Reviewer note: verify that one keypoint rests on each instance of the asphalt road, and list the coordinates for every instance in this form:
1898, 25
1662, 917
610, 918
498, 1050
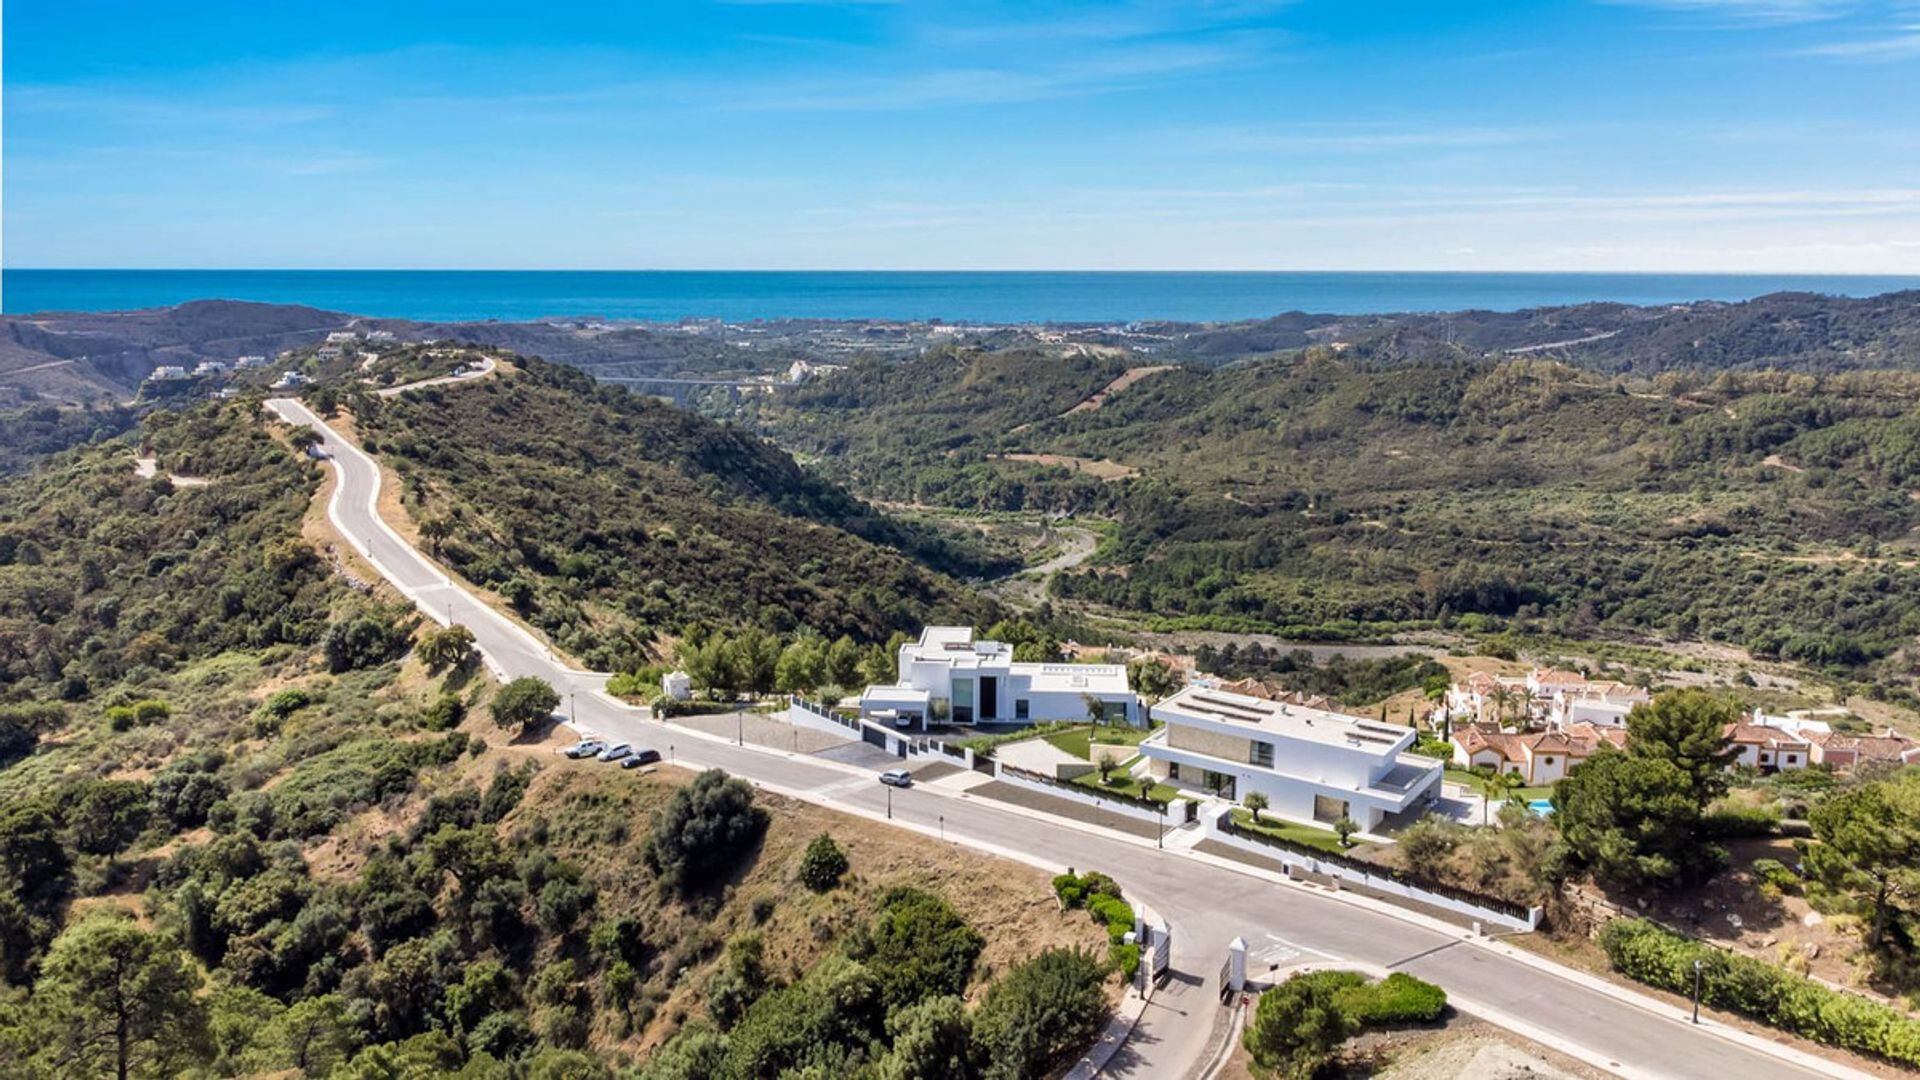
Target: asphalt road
1208, 903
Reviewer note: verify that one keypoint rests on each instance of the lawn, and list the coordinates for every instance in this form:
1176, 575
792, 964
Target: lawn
1082, 742
1119, 781
1524, 794
1312, 836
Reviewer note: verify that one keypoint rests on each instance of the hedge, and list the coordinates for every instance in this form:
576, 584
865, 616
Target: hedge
1730, 822
1398, 999
1661, 958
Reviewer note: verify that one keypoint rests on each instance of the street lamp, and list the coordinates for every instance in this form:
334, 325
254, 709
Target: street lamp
739, 729
943, 828
1697, 965
889, 802
573, 713
1160, 838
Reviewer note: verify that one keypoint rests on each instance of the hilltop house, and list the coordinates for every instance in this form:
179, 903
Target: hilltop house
167, 372
1311, 764
1841, 751
947, 676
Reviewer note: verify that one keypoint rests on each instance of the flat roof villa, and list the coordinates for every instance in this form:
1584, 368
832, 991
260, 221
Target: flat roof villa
1312, 764
979, 682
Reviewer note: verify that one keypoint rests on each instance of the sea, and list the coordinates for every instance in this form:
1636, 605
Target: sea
953, 296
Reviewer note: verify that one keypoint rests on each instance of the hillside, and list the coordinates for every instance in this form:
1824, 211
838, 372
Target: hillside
610, 519
234, 790
1326, 496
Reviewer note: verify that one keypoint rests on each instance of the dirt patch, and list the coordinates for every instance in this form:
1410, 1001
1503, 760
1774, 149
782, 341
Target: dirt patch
1774, 461
1098, 468
1463, 1048
1126, 379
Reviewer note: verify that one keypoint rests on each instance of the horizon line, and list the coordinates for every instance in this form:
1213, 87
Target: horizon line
1914, 274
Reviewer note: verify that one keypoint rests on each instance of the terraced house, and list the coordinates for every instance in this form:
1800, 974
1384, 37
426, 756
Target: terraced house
1312, 764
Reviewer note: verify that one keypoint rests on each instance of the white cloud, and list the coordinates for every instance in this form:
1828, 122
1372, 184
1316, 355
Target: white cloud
1761, 12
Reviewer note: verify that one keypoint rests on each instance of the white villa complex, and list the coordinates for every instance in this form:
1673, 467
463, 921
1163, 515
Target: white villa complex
1311, 764
949, 677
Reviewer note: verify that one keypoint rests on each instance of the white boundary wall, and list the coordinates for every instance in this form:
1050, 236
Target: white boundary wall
1378, 883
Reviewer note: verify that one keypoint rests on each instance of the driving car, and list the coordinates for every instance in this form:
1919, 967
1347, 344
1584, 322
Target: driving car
585, 748
897, 778
639, 758
615, 752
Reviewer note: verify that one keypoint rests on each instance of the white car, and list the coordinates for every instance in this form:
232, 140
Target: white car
897, 778
615, 752
584, 748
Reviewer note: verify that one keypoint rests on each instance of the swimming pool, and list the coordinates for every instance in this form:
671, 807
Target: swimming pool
1543, 807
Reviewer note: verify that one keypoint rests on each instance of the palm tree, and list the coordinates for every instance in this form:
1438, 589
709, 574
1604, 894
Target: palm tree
1498, 787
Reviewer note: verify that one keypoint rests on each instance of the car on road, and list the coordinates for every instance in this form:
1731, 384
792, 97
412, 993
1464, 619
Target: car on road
584, 748
897, 778
615, 752
639, 758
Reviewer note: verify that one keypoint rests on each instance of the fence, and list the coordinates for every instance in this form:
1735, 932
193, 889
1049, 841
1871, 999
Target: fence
899, 743
1384, 879
1131, 805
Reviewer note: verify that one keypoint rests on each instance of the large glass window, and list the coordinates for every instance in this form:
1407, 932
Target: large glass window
963, 701
1262, 754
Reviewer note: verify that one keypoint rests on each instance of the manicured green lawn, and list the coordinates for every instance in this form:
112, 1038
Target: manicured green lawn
1524, 794
1119, 781
1086, 742
1324, 839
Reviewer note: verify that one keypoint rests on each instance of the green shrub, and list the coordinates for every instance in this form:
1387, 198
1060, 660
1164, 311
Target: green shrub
1076, 891
709, 826
1398, 999
1116, 913
1775, 873
1125, 959
1068, 888
1298, 1025
1729, 821
918, 947
823, 864
444, 714
1039, 1011
1661, 958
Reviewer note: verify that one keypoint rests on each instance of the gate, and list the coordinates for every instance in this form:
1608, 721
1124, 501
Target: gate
873, 736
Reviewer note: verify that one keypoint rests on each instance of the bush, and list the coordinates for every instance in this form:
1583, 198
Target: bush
1125, 959
1298, 1025
709, 826
361, 642
1116, 913
1038, 1012
918, 947
823, 864
1775, 874
1076, 891
444, 714
525, 703
1661, 958
1729, 821
1398, 999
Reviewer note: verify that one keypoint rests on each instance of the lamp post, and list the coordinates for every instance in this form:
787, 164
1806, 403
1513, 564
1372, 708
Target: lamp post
1160, 838
889, 802
943, 828
739, 729
1697, 965
573, 713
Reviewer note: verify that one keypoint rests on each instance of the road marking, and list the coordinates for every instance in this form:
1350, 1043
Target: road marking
1422, 954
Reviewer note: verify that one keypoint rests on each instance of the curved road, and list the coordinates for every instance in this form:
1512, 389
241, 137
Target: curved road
1208, 901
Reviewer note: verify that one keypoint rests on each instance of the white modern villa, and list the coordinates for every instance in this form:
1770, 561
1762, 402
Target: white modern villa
1311, 764
949, 677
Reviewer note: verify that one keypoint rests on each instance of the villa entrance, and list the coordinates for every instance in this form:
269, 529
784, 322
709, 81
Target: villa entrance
989, 706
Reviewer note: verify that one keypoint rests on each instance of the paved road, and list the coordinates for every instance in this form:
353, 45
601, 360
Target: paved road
1208, 901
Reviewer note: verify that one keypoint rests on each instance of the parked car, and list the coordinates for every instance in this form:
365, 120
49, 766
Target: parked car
639, 758
897, 778
615, 752
585, 748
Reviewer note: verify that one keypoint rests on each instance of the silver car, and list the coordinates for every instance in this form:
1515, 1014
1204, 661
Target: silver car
585, 748
616, 752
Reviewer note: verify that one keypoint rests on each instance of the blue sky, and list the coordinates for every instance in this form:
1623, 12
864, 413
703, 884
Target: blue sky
1760, 135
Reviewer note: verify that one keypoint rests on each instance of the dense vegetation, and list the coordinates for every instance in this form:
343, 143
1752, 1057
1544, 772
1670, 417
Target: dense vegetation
1298, 1026
1353, 683
1327, 496
610, 520
28, 434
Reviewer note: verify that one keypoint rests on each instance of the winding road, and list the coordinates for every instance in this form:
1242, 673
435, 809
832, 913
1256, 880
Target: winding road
1208, 900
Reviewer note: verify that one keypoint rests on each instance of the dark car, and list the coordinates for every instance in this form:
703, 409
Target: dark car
639, 758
